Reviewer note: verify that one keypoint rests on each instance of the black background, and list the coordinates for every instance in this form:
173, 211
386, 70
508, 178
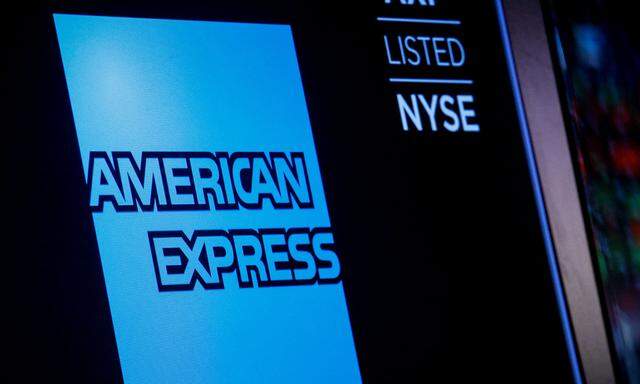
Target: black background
443, 260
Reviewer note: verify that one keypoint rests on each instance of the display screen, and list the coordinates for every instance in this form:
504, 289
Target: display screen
280, 192
598, 54
207, 201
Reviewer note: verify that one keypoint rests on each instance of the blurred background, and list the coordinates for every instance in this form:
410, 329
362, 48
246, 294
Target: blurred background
597, 47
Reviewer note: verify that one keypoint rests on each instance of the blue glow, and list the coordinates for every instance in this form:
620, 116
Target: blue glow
537, 190
167, 85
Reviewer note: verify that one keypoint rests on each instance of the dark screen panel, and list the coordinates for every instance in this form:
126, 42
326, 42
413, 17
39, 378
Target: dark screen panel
443, 261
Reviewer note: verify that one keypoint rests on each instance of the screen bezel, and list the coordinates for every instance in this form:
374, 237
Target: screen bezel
540, 95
